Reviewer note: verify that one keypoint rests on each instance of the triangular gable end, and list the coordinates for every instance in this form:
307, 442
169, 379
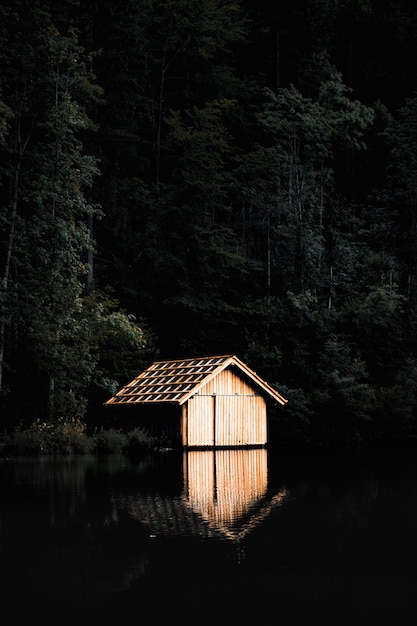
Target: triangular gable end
230, 362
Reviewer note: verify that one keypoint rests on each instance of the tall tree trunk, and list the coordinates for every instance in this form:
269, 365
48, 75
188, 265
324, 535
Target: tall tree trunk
165, 65
90, 256
6, 274
51, 397
10, 248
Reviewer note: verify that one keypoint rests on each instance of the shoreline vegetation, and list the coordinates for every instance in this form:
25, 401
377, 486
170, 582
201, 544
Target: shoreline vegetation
70, 437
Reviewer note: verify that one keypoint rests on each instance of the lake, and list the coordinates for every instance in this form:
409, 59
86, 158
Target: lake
227, 537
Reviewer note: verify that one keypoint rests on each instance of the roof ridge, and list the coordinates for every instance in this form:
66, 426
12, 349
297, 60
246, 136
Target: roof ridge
197, 358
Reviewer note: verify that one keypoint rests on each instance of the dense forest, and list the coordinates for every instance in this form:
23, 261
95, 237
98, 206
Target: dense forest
180, 178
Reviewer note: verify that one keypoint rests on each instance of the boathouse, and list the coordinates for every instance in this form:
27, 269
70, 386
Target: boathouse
208, 402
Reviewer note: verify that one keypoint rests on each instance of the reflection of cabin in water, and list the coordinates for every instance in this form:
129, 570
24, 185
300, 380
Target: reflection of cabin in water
228, 489
204, 402
225, 496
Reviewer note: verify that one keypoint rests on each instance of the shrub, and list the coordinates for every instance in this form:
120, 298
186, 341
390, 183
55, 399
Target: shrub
27, 442
70, 437
58, 437
110, 441
139, 440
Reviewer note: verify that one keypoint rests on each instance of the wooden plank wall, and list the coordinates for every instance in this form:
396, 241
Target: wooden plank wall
240, 416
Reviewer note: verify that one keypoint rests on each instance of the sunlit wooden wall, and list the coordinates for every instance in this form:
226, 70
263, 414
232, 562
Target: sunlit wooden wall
226, 412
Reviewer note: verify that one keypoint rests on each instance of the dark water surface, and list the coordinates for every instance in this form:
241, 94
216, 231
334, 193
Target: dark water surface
232, 537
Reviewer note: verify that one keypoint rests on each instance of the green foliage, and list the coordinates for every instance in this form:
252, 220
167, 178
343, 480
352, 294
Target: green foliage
304, 135
110, 441
121, 345
292, 424
397, 401
139, 440
342, 397
58, 437
400, 196
47, 318
66, 437
5, 115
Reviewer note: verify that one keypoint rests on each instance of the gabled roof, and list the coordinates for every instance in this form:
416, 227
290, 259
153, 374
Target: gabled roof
176, 381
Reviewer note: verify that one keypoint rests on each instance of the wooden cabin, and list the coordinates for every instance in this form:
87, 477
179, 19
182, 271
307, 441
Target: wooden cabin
207, 402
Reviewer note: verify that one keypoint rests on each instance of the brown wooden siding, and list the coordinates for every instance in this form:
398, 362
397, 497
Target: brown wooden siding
226, 412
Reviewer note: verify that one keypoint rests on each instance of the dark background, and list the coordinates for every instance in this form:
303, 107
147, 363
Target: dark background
179, 179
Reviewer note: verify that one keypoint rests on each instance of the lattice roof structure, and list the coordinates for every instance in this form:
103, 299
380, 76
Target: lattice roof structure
175, 381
